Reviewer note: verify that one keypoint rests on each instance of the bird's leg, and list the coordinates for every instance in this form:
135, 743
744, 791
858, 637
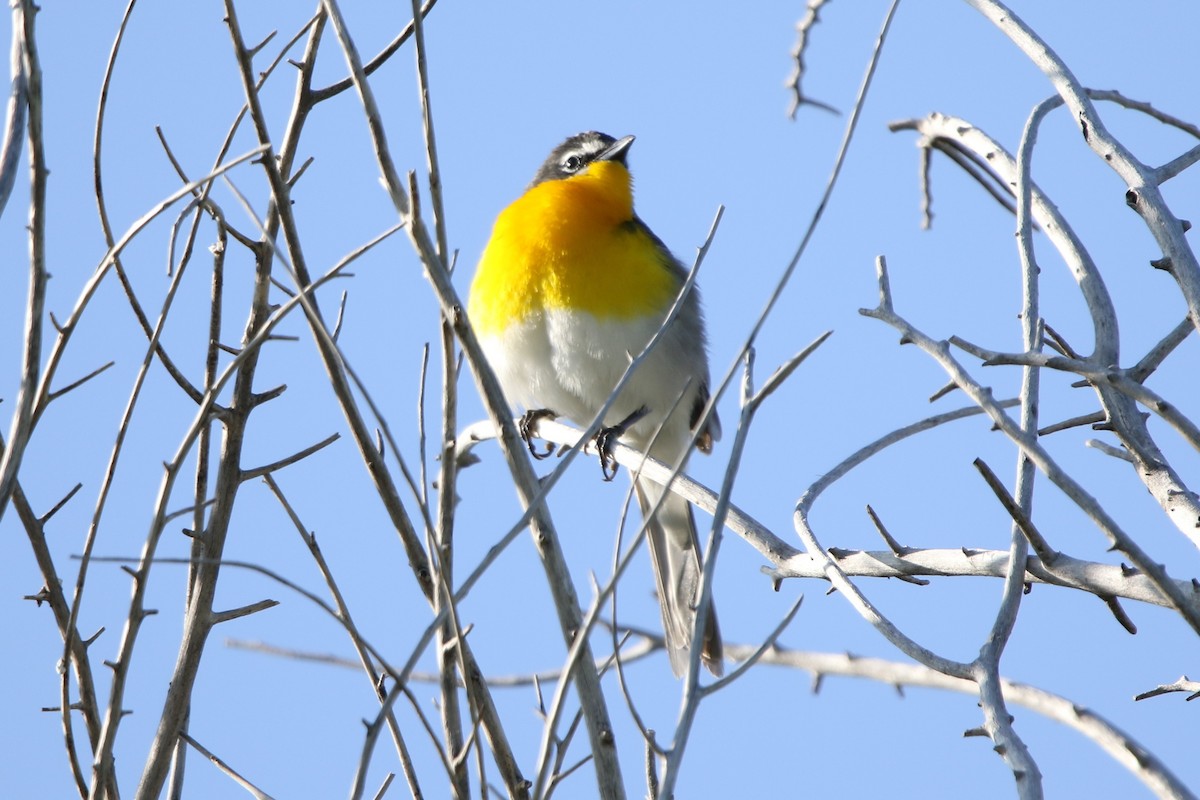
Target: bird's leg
607, 437
525, 427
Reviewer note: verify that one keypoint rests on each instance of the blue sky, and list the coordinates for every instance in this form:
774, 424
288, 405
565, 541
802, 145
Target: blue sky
703, 92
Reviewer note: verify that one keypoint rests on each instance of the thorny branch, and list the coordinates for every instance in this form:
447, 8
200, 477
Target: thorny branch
1121, 393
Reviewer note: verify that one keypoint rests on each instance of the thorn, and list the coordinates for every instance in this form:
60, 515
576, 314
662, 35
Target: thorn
58, 506
259, 398
296, 176
896, 548
42, 596
1119, 612
942, 392
537, 691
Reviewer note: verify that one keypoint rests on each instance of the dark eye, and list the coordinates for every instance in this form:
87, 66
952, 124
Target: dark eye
572, 163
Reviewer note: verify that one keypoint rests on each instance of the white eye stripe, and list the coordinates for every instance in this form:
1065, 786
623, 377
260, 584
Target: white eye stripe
573, 156
580, 158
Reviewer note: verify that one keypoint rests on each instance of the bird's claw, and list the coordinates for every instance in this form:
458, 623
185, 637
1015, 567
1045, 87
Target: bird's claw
606, 440
525, 428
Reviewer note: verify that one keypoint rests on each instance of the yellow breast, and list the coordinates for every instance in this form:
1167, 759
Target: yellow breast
571, 244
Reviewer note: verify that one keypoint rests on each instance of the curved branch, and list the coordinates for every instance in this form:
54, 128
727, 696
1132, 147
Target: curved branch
940, 352
1120, 746
1178, 502
1143, 193
24, 414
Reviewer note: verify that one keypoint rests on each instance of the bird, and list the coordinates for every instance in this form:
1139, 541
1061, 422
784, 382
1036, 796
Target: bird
570, 287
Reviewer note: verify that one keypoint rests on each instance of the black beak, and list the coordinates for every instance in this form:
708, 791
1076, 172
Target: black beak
616, 150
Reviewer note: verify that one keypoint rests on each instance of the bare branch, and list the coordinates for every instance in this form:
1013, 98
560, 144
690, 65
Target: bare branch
1142, 181
1121, 747
228, 770
1181, 685
237, 613
812, 11
24, 414
940, 352
1047, 554
275, 466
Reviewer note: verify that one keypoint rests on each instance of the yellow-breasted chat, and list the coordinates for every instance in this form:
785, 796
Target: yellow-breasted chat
571, 286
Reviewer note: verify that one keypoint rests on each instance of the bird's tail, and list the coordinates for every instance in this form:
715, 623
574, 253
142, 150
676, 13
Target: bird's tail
675, 556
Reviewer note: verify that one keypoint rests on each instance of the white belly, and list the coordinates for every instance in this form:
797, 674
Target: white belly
569, 362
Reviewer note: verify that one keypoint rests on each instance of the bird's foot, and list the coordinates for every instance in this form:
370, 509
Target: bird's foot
606, 439
526, 427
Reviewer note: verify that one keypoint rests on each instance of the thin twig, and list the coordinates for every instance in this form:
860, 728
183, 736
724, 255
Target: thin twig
220, 764
812, 14
365, 659
24, 417
1143, 765
274, 466
940, 351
